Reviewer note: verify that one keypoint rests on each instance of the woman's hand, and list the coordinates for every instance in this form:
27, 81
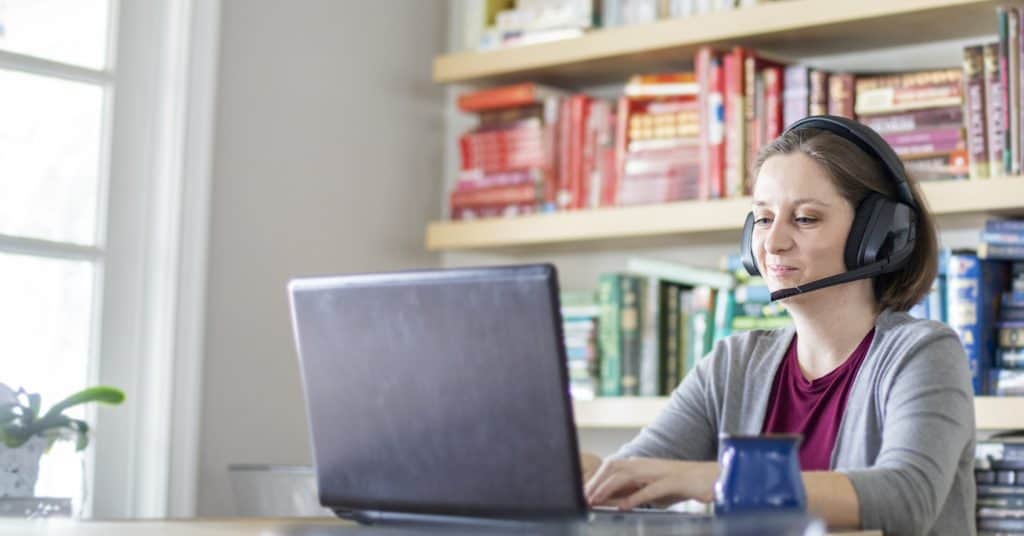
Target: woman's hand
631, 482
589, 463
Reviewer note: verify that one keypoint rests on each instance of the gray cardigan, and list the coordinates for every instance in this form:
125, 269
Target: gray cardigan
906, 440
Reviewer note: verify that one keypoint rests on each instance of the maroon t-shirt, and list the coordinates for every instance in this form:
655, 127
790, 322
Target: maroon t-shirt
812, 408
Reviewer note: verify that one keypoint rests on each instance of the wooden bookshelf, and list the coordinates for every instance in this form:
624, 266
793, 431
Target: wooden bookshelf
985, 197
991, 413
789, 29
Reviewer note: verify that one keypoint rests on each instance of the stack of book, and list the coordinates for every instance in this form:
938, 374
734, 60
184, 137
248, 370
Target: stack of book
973, 290
580, 313
508, 160
659, 141
657, 321
920, 115
999, 474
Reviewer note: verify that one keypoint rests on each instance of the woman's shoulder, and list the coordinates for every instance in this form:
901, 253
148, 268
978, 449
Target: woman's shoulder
752, 348
902, 328
901, 335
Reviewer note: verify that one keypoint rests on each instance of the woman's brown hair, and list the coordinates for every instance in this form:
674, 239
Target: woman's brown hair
855, 174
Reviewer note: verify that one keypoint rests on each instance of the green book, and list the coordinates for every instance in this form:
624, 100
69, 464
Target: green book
609, 336
632, 289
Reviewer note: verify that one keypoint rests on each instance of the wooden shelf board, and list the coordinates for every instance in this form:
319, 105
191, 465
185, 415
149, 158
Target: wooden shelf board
989, 196
991, 413
790, 29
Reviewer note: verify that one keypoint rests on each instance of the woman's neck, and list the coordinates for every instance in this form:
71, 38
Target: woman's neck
830, 323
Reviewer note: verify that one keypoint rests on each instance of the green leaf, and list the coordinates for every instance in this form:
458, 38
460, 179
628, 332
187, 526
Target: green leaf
46, 423
34, 401
102, 394
83, 434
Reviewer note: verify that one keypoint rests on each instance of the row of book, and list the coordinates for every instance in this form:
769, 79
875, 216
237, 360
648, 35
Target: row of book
999, 476
687, 135
495, 24
985, 304
645, 328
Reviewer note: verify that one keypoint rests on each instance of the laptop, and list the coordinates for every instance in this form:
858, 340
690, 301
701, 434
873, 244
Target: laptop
441, 396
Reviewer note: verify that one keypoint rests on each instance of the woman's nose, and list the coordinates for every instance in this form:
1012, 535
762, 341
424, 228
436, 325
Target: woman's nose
777, 238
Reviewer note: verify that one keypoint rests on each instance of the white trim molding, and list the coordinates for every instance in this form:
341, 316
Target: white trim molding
146, 462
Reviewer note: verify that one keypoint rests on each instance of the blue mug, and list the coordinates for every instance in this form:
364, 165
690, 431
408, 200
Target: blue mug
759, 473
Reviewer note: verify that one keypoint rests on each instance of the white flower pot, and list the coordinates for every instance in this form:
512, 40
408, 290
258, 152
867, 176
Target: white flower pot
19, 468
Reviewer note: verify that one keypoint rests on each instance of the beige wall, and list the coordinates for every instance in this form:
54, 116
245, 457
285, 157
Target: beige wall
327, 159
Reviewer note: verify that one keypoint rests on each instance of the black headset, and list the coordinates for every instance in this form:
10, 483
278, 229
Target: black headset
884, 230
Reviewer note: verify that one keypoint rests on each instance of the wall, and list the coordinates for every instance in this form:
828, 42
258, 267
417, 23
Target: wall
327, 159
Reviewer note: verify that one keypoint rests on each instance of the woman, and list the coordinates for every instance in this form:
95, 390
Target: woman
884, 401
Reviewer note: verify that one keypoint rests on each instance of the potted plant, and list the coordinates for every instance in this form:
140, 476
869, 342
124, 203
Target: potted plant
25, 433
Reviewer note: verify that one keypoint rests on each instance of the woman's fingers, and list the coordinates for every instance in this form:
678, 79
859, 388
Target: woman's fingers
659, 491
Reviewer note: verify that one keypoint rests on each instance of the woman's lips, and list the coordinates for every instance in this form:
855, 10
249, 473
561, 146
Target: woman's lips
780, 270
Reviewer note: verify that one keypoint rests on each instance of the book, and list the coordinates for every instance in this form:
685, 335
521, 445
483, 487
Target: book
509, 96
681, 274
973, 288
632, 290
995, 109
977, 139
610, 334
1006, 252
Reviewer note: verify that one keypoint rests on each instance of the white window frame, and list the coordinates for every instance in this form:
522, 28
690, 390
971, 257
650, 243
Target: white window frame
155, 166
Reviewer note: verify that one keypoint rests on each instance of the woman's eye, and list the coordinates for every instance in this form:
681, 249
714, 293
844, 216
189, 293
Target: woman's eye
762, 220
804, 220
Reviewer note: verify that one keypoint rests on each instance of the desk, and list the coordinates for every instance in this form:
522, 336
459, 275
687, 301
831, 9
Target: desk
220, 527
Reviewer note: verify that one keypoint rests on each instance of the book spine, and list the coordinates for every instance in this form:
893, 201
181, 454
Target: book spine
772, 102
1013, 54
934, 77
995, 106
629, 325
1004, 226
622, 110
974, 104
735, 121
500, 97
702, 66
796, 95
580, 109
818, 102
1003, 237
1001, 252
936, 135
716, 129
610, 335
563, 195
972, 289
669, 335
752, 141
915, 120
840, 95
887, 100
506, 210
500, 195
650, 361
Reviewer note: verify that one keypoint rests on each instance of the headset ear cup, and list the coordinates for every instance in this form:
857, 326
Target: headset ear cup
747, 246
864, 221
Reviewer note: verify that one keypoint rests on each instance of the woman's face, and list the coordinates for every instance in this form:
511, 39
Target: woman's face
800, 222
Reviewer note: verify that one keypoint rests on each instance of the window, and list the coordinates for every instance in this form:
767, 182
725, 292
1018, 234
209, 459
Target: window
55, 88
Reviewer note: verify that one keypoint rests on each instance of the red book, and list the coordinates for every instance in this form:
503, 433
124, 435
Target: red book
772, 102
622, 109
579, 106
499, 195
492, 211
712, 143
506, 97
735, 122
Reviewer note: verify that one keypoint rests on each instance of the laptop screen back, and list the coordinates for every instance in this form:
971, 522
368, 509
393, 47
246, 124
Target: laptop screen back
440, 392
